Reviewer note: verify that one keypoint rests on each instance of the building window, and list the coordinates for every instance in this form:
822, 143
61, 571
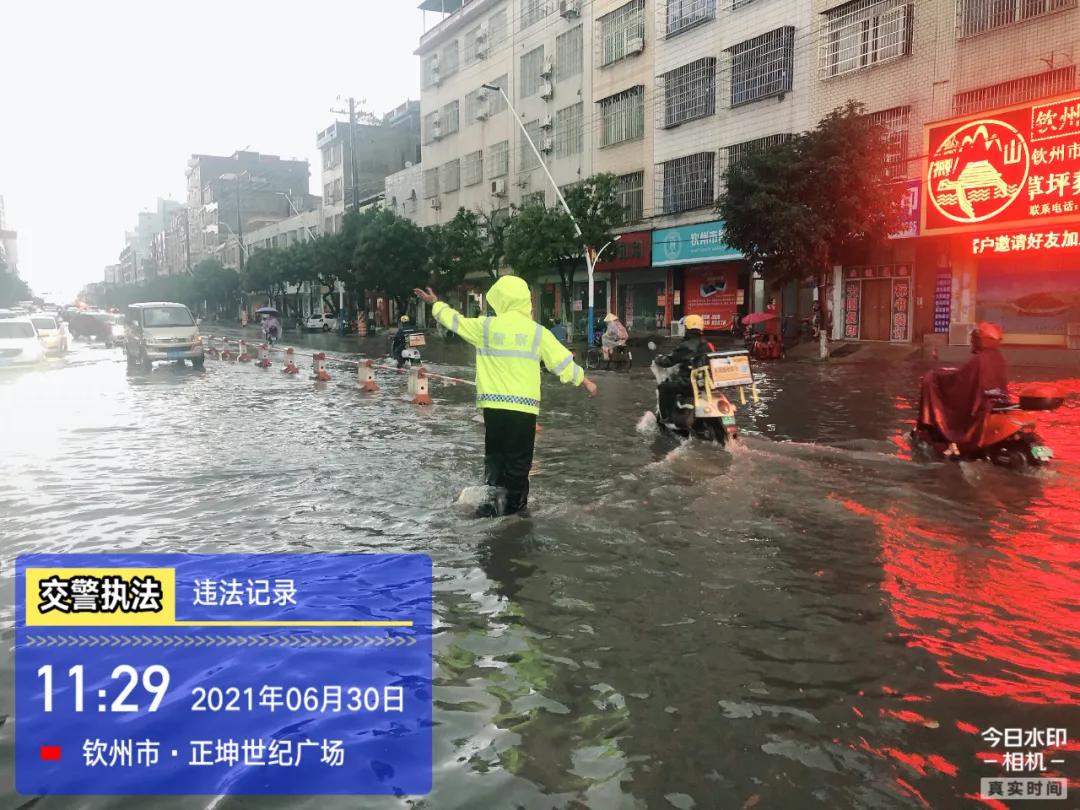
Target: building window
328, 197
684, 14
472, 38
336, 192
337, 223
568, 131
497, 28
740, 151
631, 195
688, 182
894, 123
450, 118
431, 183
761, 67
448, 60
498, 160
976, 16
495, 100
431, 70
472, 168
622, 116
1014, 91
532, 65
534, 200
617, 28
863, 33
526, 157
689, 92
429, 126
450, 176
473, 105
533, 11
568, 54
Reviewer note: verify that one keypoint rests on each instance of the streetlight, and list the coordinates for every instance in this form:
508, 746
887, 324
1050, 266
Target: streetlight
239, 241
590, 260
592, 266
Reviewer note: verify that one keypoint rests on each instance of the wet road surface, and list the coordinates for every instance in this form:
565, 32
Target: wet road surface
811, 620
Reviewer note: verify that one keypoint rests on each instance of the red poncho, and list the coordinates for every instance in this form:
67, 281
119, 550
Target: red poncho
956, 401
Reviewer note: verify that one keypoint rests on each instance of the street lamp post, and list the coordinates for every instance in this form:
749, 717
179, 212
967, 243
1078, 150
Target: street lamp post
590, 260
590, 329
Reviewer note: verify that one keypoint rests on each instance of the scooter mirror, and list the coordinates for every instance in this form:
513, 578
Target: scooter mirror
652, 346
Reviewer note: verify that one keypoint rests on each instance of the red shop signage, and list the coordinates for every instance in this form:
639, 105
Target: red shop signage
712, 292
1042, 241
633, 250
1016, 166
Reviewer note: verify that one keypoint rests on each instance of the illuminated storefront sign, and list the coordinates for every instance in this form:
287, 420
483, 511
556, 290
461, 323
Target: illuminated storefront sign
633, 250
690, 244
1048, 241
1017, 166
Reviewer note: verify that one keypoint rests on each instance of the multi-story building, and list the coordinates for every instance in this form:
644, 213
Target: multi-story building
404, 193
981, 103
9, 240
362, 156
228, 195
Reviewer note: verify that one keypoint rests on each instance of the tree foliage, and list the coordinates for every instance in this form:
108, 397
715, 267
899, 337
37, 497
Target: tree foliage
12, 287
540, 240
822, 198
391, 254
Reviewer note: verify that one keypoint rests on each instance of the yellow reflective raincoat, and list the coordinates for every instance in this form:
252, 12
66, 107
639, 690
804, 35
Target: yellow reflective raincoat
509, 348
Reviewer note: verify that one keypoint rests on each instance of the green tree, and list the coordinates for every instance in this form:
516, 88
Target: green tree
216, 285
392, 254
820, 199
12, 288
456, 249
540, 239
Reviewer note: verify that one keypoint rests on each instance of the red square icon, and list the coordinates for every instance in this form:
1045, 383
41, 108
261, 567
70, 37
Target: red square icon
50, 753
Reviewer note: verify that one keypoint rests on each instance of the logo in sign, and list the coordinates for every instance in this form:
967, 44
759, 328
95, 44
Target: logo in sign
673, 245
978, 171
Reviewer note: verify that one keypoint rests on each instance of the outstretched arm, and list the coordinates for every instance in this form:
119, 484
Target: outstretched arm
468, 329
560, 361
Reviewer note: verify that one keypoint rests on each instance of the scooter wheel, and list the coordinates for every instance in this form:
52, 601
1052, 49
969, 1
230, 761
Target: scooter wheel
1015, 458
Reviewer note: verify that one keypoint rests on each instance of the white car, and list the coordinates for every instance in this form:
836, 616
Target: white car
324, 322
53, 333
19, 343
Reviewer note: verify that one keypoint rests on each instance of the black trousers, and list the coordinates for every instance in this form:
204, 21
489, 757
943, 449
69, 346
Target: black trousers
509, 437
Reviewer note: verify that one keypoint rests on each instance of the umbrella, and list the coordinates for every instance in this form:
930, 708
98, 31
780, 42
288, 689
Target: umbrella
266, 311
759, 317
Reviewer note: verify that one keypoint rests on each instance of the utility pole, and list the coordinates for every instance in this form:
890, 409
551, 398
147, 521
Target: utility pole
187, 241
239, 223
351, 112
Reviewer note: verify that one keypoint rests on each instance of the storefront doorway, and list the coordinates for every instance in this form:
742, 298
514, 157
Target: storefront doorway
877, 303
876, 306
640, 303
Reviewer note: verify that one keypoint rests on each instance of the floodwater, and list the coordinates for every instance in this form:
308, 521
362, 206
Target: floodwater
811, 620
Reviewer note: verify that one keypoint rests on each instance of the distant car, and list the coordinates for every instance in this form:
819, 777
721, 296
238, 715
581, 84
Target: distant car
19, 343
53, 333
162, 331
324, 322
92, 326
117, 327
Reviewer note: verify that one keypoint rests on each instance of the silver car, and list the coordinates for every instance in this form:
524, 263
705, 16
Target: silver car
162, 331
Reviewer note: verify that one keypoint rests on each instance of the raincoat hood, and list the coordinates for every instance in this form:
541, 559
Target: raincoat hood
510, 294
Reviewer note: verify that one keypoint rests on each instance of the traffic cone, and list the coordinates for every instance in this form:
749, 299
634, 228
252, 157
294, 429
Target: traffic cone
211, 349
242, 355
419, 385
318, 368
365, 376
290, 366
225, 353
264, 356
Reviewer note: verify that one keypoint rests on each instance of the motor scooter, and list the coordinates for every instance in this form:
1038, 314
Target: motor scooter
705, 412
1008, 434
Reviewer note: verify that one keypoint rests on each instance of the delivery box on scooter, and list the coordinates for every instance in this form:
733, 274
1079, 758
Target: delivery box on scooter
416, 339
729, 369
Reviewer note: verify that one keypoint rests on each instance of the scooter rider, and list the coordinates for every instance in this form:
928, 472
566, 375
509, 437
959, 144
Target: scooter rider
401, 339
691, 352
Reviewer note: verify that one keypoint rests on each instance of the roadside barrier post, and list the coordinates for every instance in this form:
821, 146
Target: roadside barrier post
365, 376
264, 356
242, 355
318, 368
225, 353
418, 385
211, 349
290, 366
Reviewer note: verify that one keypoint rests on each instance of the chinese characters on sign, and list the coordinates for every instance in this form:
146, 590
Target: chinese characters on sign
1015, 166
943, 301
232, 591
900, 291
1028, 242
86, 593
712, 293
1026, 755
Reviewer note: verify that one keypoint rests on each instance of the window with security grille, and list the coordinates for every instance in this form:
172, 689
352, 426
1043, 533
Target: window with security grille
568, 54
450, 118
739, 151
532, 65
569, 134
429, 127
894, 123
533, 11
450, 176
431, 183
864, 33
448, 59
761, 67
533, 200
685, 14
688, 182
470, 50
430, 70
631, 195
472, 168
622, 116
976, 16
497, 27
495, 100
473, 105
689, 92
617, 28
498, 160
740, 3
1014, 91
526, 157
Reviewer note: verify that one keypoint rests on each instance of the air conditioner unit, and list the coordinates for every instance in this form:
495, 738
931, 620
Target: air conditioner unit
635, 45
546, 90
569, 8
960, 333
436, 129
481, 45
548, 68
482, 109
436, 204
545, 121
498, 187
547, 143
435, 77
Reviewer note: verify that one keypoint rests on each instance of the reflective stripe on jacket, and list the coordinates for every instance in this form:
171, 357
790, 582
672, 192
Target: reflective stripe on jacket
509, 348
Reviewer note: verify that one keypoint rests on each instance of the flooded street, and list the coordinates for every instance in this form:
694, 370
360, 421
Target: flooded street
811, 620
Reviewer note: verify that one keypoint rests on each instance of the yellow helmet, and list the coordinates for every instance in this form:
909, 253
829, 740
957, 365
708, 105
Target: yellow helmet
694, 322
404, 319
